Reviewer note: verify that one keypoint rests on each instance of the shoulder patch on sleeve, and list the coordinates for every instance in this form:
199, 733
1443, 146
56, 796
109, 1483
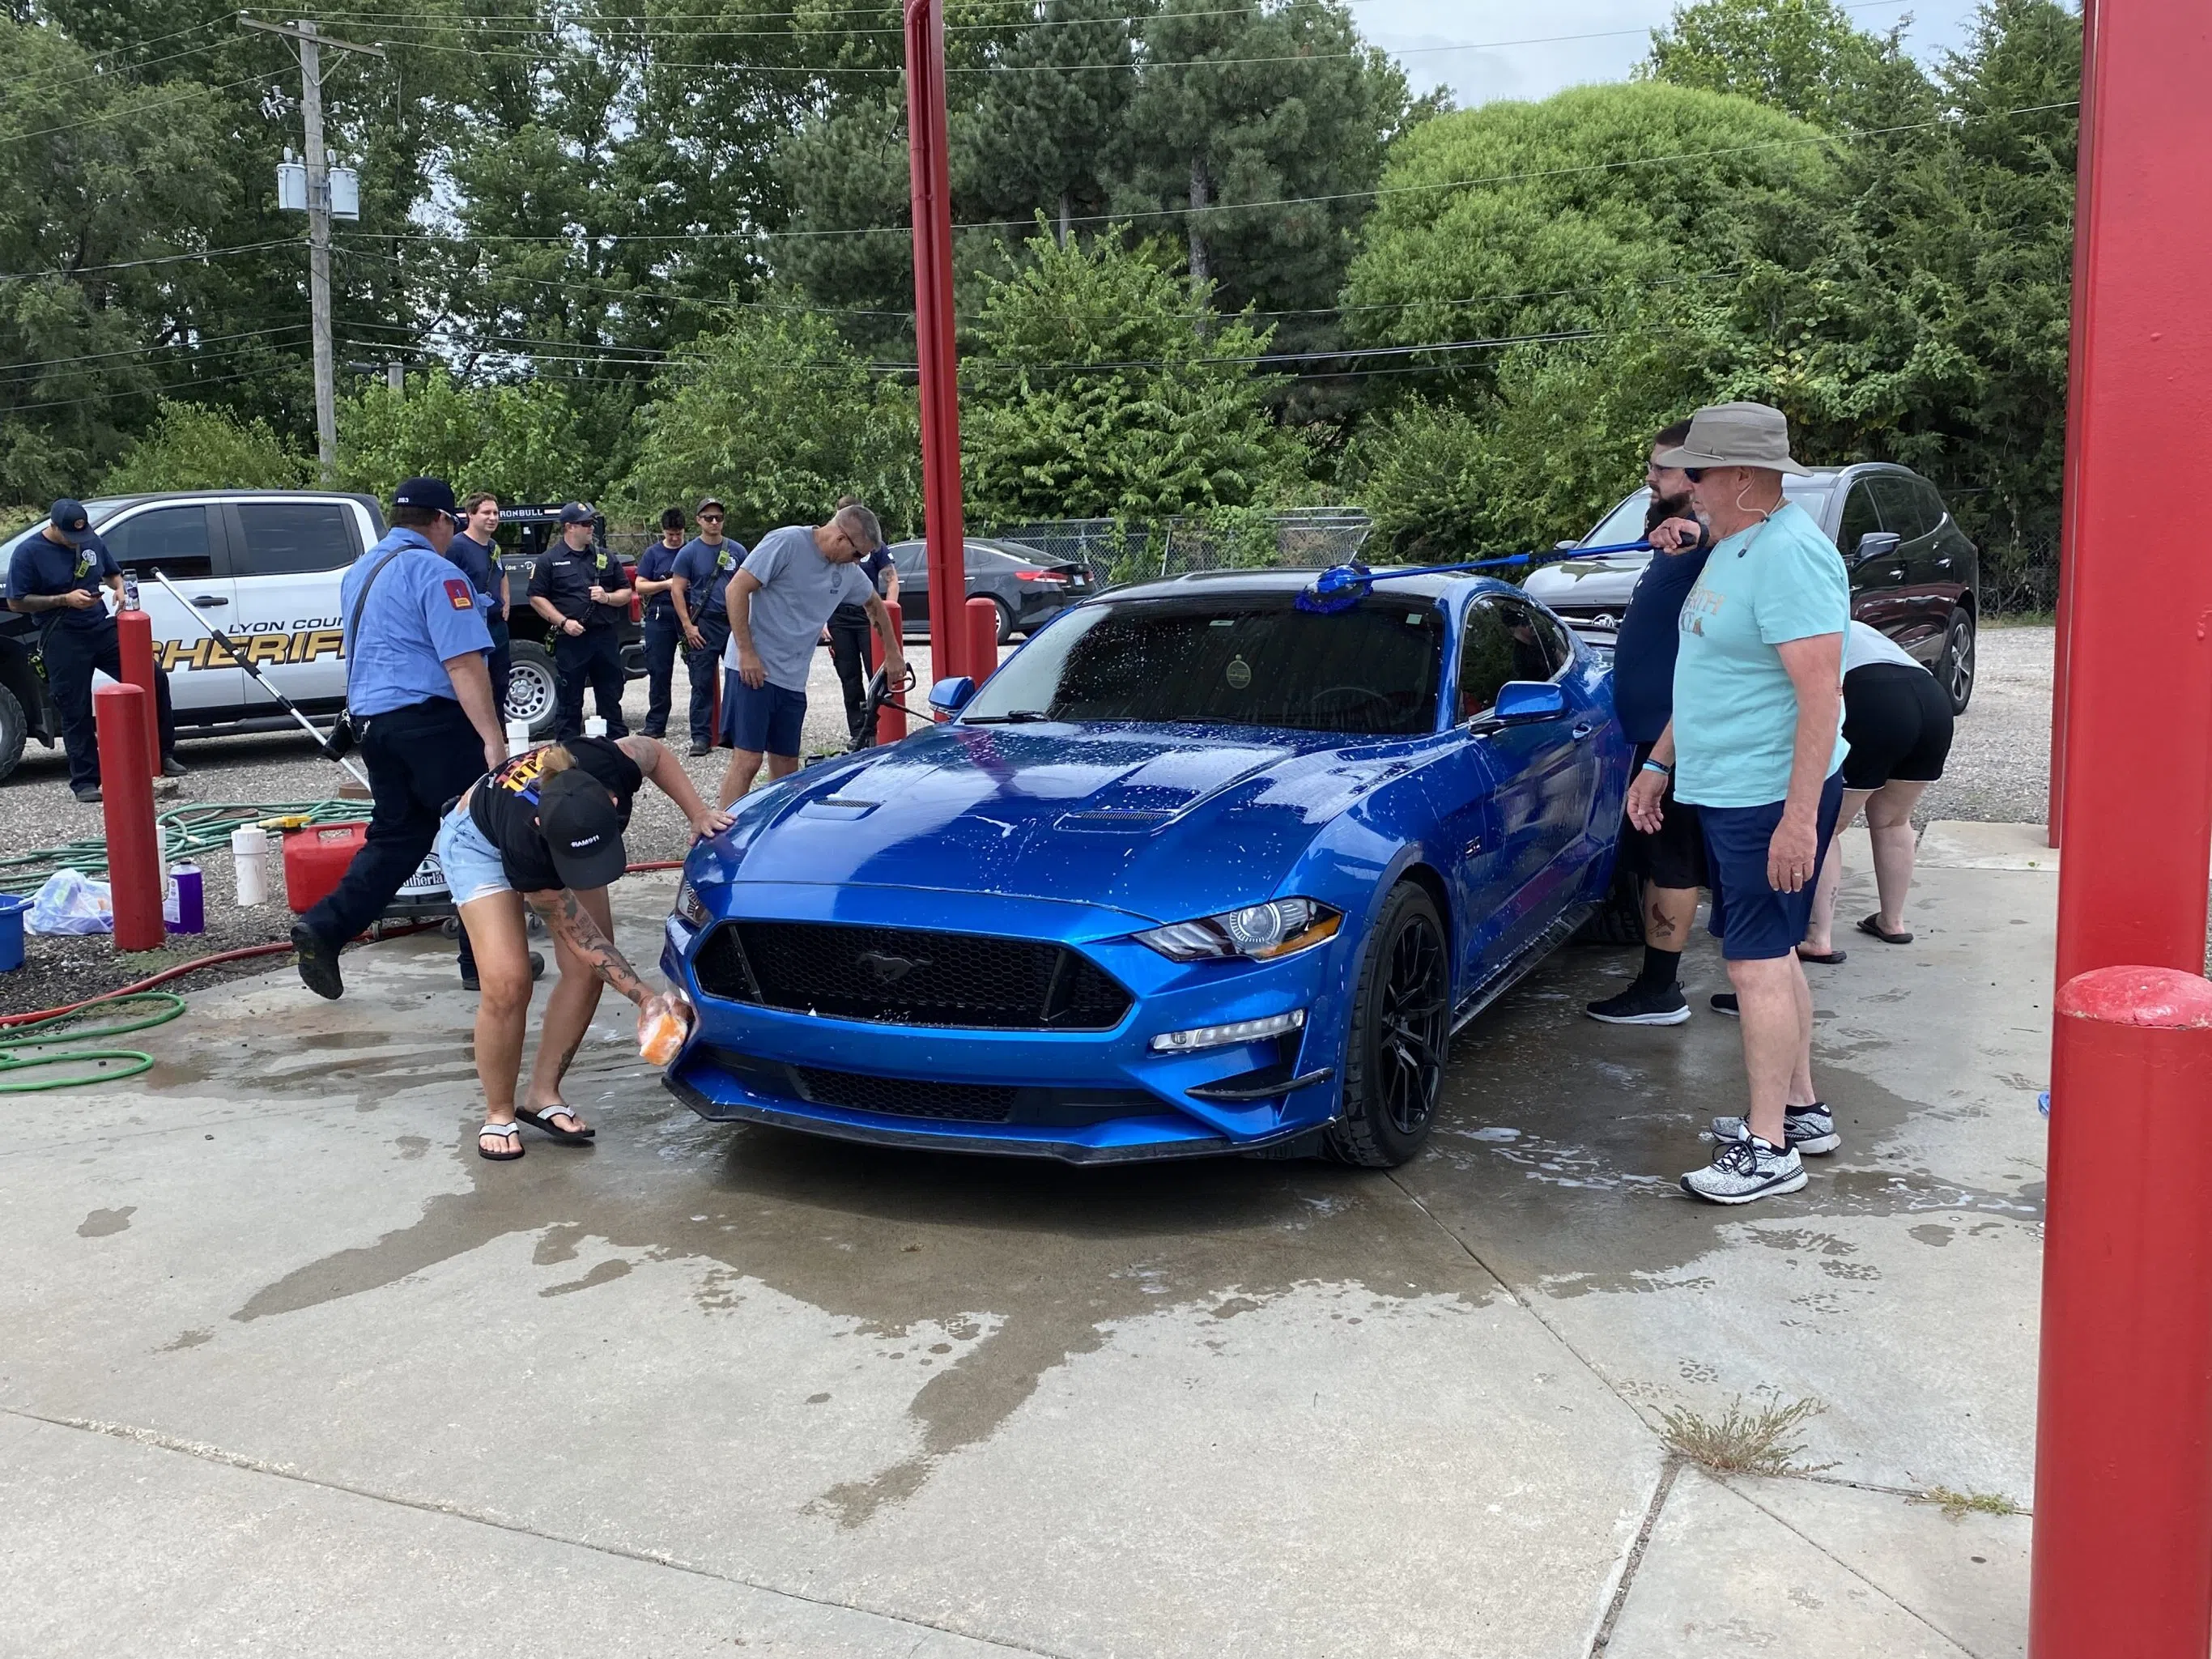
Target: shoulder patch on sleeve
458, 592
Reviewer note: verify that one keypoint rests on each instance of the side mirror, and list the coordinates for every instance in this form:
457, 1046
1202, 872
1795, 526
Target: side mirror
949, 697
1528, 699
1879, 544
1564, 547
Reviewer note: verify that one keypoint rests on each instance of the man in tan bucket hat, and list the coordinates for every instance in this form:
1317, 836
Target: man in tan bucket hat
1756, 743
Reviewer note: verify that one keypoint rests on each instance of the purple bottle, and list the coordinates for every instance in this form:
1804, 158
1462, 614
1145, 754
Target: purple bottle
191, 905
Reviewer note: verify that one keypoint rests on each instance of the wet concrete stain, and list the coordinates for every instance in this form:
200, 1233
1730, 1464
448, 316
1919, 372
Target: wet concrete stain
105, 1224
186, 1340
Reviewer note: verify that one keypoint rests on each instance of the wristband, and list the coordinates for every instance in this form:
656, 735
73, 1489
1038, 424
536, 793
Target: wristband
1660, 767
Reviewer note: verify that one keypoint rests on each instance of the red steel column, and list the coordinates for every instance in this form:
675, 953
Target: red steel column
134, 635
2123, 1550
2055, 815
890, 724
122, 714
2136, 799
933, 326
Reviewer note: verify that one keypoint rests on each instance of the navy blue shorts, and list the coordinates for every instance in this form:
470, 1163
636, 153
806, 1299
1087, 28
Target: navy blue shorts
767, 720
1752, 922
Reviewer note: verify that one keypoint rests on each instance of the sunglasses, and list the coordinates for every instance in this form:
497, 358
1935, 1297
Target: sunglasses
710, 517
1693, 473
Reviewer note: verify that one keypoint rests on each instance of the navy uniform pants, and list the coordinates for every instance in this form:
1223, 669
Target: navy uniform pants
70, 655
419, 759
704, 665
591, 659
849, 629
662, 637
501, 663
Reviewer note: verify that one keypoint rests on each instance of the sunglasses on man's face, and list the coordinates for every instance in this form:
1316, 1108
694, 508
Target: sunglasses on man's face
1693, 473
710, 517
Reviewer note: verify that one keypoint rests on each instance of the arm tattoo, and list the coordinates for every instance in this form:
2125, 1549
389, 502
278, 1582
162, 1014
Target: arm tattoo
565, 915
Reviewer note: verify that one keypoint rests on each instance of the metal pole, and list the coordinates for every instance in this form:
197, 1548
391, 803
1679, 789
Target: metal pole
931, 178
2136, 802
318, 253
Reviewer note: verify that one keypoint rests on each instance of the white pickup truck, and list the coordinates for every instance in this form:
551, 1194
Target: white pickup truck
263, 566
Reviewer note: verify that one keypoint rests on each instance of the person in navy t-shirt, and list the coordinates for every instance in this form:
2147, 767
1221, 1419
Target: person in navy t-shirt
653, 578
1671, 864
699, 589
475, 550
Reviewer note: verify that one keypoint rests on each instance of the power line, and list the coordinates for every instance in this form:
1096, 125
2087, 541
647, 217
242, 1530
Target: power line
137, 109
133, 368
139, 45
164, 345
133, 264
192, 385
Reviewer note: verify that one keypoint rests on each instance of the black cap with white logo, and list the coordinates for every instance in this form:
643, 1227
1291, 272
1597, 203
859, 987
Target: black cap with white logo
68, 518
434, 493
582, 828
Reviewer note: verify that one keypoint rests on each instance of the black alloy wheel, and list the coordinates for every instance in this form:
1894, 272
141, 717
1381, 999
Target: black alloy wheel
1955, 669
1394, 1059
15, 729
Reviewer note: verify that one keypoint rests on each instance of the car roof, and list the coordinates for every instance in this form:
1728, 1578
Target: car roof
117, 503
1434, 585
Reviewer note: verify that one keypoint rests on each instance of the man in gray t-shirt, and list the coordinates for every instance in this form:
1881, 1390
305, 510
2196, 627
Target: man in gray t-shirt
778, 602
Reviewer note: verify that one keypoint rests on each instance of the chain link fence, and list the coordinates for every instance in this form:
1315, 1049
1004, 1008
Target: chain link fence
2021, 579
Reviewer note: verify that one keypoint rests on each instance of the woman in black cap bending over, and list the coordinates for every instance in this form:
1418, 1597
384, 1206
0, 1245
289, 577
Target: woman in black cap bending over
545, 830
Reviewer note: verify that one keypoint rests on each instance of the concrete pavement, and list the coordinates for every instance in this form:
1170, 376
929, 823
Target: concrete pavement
286, 1365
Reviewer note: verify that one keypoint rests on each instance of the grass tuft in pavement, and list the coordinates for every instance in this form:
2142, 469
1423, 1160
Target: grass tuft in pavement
1957, 1505
1743, 1441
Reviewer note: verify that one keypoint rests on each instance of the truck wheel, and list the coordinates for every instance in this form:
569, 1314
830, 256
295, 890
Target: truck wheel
530, 693
13, 730
1393, 1056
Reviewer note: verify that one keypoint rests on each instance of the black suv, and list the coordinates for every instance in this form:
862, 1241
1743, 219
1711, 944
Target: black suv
1914, 574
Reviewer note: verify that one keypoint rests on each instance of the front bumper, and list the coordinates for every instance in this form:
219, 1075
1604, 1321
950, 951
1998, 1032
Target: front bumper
1079, 1096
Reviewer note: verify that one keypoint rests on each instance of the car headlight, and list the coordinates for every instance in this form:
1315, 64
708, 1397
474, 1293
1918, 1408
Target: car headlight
689, 906
1280, 927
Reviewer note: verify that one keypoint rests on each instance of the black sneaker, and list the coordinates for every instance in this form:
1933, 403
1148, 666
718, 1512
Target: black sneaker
470, 982
318, 961
88, 797
1808, 1129
1724, 1003
1642, 1005
699, 748
173, 768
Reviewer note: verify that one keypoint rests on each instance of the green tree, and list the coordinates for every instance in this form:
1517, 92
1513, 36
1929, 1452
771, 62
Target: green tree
1100, 389
1805, 57
195, 447
521, 441
777, 416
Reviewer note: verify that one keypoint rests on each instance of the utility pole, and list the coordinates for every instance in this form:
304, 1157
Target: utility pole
310, 44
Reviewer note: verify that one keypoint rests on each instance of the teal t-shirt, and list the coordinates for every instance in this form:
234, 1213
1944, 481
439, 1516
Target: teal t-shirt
1736, 711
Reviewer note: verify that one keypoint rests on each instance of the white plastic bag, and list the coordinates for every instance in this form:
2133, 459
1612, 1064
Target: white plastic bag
71, 903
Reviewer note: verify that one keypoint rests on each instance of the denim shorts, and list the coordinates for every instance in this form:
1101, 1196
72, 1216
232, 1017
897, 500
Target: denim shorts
1753, 921
767, 719
472, 864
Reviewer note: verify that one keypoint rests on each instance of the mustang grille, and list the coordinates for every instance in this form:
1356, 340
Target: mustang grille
909, 976
958, 1103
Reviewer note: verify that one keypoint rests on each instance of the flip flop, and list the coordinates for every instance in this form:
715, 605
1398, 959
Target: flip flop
1831, 959
502, 1130
1872, 926
543, 1119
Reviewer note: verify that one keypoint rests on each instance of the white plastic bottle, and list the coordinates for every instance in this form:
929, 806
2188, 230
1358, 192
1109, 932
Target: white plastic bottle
594, 727
249, 854
517, 736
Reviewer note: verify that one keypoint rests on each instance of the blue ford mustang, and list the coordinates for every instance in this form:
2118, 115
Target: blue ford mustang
1196, 871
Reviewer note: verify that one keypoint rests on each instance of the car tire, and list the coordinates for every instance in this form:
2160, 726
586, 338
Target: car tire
1955, 669
532, 693
1005, 619
1394, 1054
14, 731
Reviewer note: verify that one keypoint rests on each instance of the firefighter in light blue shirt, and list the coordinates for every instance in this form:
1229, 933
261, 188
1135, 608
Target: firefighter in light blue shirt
420, 697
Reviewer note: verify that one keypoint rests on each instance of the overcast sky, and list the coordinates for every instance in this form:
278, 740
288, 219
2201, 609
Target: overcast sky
1478, 61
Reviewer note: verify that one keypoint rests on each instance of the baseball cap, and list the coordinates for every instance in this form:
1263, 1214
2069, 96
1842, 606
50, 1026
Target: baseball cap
576, 512
435, 494
68, 516
707, 502
582, 828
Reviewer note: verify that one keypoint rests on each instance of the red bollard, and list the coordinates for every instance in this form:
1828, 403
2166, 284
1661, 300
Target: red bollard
122, 715
2123, 1550
982, 639
890, 724
134, 635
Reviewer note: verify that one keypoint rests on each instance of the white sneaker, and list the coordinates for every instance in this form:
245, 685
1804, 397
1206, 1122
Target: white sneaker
1744, 1171
1808, 1130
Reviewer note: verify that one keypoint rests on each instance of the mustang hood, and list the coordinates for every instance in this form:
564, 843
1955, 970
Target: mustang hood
1164, 822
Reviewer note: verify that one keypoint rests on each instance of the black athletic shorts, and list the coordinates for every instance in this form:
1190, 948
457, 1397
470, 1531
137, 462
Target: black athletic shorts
1898, 722
1676, 857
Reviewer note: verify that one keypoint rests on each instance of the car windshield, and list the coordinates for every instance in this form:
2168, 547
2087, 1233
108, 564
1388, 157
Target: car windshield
1626, 522
1229, 659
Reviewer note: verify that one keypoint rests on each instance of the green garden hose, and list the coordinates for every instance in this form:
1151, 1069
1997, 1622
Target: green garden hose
144, 1009
186, 832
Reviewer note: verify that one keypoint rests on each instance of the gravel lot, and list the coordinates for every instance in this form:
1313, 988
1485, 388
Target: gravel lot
1998, 771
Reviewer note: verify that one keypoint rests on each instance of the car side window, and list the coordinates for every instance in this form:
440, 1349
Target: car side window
1899, 502
1860, 519
1499, 643
285, 538
908, 560
175, 538
1559, 645
1931, 503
